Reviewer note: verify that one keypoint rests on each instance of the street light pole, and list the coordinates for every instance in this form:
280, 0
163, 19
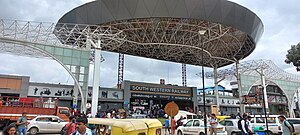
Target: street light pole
202, 32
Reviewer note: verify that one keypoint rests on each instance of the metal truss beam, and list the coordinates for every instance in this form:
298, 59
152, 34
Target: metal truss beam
184, 83
271, 71
50, 34
120, 70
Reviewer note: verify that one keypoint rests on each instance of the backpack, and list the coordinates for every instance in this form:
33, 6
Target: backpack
65, 130
240, 124
293, 129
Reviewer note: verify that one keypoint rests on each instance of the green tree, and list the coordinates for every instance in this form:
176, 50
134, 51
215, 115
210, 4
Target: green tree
293, 56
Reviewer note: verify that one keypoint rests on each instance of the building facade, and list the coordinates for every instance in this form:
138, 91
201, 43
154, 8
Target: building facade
145, 95
132, 95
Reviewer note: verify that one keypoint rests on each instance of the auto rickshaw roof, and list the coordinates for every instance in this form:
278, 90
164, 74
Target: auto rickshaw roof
150, 122
127, 126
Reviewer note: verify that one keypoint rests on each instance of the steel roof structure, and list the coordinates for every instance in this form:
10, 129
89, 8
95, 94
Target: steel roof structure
253, 67
168, 29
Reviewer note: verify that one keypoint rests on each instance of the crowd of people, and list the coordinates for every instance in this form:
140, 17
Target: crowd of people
78, 123
170, 125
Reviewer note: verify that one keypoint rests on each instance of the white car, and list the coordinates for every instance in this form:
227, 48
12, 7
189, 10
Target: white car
231, 126
45, 124
196, 127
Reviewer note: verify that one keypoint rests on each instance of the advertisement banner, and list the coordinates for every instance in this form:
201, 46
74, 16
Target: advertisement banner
110, 94
45, 91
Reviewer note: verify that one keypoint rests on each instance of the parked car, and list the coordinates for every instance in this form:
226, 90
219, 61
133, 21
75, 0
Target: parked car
231, 126
46, 124
196, 127
296, 123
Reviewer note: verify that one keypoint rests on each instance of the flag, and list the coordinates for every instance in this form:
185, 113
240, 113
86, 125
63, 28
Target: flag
295, 100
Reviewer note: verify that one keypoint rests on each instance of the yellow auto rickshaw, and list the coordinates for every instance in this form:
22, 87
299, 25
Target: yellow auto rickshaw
221, 118
119, 126
154, 125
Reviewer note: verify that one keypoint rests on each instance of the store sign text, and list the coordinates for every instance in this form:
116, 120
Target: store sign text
156, 96
159, 90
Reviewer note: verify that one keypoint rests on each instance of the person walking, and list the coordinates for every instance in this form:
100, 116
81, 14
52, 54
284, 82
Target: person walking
213, 124
244, 125
81, 127
21, 123
167, 127
10, 130
249, 128
71, 128
286, 127
173, 126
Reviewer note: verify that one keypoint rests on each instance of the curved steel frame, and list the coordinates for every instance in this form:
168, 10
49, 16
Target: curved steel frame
30, 34
29, 44
167, 30
271, 71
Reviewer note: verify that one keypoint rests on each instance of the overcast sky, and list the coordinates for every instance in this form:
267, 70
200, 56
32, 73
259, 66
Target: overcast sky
280, 18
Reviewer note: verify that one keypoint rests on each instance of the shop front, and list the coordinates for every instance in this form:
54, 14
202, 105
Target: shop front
146, 95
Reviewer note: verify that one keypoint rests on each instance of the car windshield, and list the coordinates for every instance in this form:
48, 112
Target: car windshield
64, 111
263, 120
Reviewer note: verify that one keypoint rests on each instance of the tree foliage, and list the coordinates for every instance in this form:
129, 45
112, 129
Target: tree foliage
293, 56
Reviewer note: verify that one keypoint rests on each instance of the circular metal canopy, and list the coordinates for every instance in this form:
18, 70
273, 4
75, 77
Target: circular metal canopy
169, 29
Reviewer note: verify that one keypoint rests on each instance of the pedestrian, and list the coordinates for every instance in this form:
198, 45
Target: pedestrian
179, 122
248, 120
167, 127
10, 130
173, 124
81, 127
21, 123
244, 125
71, 128
213, 124
286, 127
0, 102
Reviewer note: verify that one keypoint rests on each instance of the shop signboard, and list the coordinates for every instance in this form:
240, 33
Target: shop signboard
110, 94
158, 96
166, 90
223, 101
46, 91
51, 91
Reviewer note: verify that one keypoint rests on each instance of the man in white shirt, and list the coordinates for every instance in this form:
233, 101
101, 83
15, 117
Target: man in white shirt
81, 127
246, 127
213, 124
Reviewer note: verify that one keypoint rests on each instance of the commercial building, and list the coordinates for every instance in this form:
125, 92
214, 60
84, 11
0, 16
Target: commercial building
229, 101
132, 95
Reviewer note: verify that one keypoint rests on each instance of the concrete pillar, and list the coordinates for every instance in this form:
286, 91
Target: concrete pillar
238, 77
216, 89
96, 79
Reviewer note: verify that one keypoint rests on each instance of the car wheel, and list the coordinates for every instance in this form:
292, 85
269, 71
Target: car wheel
234, 133
33, 131
201, 133
179, 132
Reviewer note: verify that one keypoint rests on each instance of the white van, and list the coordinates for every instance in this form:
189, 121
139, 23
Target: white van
273, 122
